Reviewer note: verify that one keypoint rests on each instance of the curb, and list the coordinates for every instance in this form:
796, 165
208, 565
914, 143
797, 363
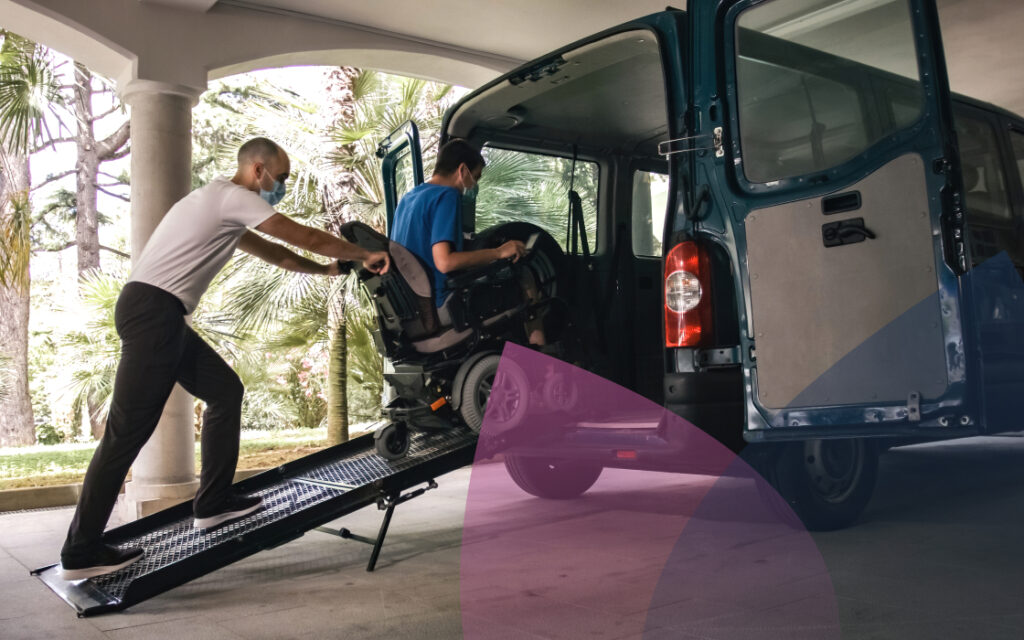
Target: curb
63, 495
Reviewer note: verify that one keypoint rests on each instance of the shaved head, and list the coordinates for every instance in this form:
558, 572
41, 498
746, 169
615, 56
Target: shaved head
262, 150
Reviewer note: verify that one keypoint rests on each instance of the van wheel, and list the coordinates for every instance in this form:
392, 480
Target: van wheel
508, 390
392, 441
827, 483
552, 478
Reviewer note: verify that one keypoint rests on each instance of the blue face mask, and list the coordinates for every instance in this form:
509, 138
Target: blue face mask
275, 195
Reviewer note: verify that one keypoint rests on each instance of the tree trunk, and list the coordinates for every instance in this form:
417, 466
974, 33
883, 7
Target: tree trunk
87, 166
340, 106
17, 425
91, 154
337, 370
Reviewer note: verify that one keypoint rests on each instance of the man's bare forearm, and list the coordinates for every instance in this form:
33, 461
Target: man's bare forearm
458, 260
331, 246
323, 243
279, 255
299, 264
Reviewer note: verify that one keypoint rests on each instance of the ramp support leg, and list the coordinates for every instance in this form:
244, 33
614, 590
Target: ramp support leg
386, 503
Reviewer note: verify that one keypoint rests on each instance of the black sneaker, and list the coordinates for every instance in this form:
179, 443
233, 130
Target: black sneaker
97, 560
232, 508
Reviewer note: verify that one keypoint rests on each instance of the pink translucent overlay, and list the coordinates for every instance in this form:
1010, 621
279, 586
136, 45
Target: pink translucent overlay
693, 550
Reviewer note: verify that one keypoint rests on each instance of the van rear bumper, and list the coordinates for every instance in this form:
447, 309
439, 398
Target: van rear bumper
711, 400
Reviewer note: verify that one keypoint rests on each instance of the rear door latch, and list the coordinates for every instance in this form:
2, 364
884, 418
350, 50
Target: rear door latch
835, 234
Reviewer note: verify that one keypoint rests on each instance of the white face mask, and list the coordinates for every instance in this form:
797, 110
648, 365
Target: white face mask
468, 187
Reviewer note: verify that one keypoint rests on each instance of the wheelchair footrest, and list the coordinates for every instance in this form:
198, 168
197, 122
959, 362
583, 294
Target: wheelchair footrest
419, 417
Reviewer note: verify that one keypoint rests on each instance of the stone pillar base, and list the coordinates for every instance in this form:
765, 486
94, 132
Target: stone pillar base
142, 500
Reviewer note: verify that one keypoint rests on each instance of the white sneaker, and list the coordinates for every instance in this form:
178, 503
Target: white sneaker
233, 508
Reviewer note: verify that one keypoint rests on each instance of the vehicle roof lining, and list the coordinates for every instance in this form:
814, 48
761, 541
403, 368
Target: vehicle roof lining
608, 94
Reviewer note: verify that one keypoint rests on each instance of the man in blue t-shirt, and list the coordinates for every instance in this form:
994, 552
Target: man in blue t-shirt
428, 220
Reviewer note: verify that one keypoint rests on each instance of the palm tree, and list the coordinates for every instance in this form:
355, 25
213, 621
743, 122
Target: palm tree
27, 90
534, 188
333, 187
95, 347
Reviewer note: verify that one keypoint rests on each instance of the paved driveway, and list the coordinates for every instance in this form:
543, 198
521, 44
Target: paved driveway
938, 554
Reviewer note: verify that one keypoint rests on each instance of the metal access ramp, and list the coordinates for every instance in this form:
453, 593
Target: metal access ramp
298, 496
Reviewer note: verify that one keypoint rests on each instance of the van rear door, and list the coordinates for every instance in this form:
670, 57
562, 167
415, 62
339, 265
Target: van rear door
836, 174
401, 165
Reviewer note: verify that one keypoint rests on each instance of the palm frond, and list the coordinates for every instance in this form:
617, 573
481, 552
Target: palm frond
15, 237
28, 88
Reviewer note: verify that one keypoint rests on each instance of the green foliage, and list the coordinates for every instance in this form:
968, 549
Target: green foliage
15, 238
66, 463
53, 225
365, 366
47, 432
270, 325
534, 188
307, 392
94, 349
37, 462
382, 104
29, 89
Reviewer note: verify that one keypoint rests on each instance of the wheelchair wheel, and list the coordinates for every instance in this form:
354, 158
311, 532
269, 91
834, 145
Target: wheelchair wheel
392, 441
508, 391
561, 393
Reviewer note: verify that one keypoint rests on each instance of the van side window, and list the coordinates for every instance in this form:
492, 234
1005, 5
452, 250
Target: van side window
984, 178
807, 102
404, 179
1017, 139
650, 200
534, 188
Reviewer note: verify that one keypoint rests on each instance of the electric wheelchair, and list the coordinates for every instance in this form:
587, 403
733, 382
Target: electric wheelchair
441, 364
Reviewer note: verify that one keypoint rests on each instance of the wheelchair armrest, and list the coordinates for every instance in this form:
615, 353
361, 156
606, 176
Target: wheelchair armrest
498, 270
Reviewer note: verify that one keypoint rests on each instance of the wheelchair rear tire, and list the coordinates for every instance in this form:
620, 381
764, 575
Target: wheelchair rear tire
509, 388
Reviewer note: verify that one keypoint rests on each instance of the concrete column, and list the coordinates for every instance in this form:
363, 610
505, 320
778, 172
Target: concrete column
161, 174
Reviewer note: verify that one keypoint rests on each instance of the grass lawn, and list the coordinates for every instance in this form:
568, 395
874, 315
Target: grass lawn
47, 465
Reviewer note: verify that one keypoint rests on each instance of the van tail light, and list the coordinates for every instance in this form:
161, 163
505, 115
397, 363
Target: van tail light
687, 296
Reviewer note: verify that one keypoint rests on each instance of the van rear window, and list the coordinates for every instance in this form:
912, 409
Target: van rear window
534, 187
808, 100
985, 191
1017, 139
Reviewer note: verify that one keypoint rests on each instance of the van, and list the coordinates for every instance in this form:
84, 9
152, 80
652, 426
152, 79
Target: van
784, 227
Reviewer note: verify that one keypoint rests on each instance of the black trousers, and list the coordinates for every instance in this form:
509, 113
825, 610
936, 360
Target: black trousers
158, 349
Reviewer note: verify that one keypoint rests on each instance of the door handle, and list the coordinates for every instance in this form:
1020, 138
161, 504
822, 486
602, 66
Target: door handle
852, 231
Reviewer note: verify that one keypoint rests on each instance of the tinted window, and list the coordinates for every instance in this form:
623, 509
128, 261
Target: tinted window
533, 187
650, 200
404, 180
984, 176
805, 87
1018, 152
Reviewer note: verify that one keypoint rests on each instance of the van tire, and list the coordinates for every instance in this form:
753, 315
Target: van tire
826, 483
552, 478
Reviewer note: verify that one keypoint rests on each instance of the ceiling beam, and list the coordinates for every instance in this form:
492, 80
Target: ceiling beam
201, 6
462, 52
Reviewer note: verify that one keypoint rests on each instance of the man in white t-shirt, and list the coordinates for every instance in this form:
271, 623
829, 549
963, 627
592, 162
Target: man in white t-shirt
158, 349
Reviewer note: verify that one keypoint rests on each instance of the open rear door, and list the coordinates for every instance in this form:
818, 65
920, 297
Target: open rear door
835, 172
401, 164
